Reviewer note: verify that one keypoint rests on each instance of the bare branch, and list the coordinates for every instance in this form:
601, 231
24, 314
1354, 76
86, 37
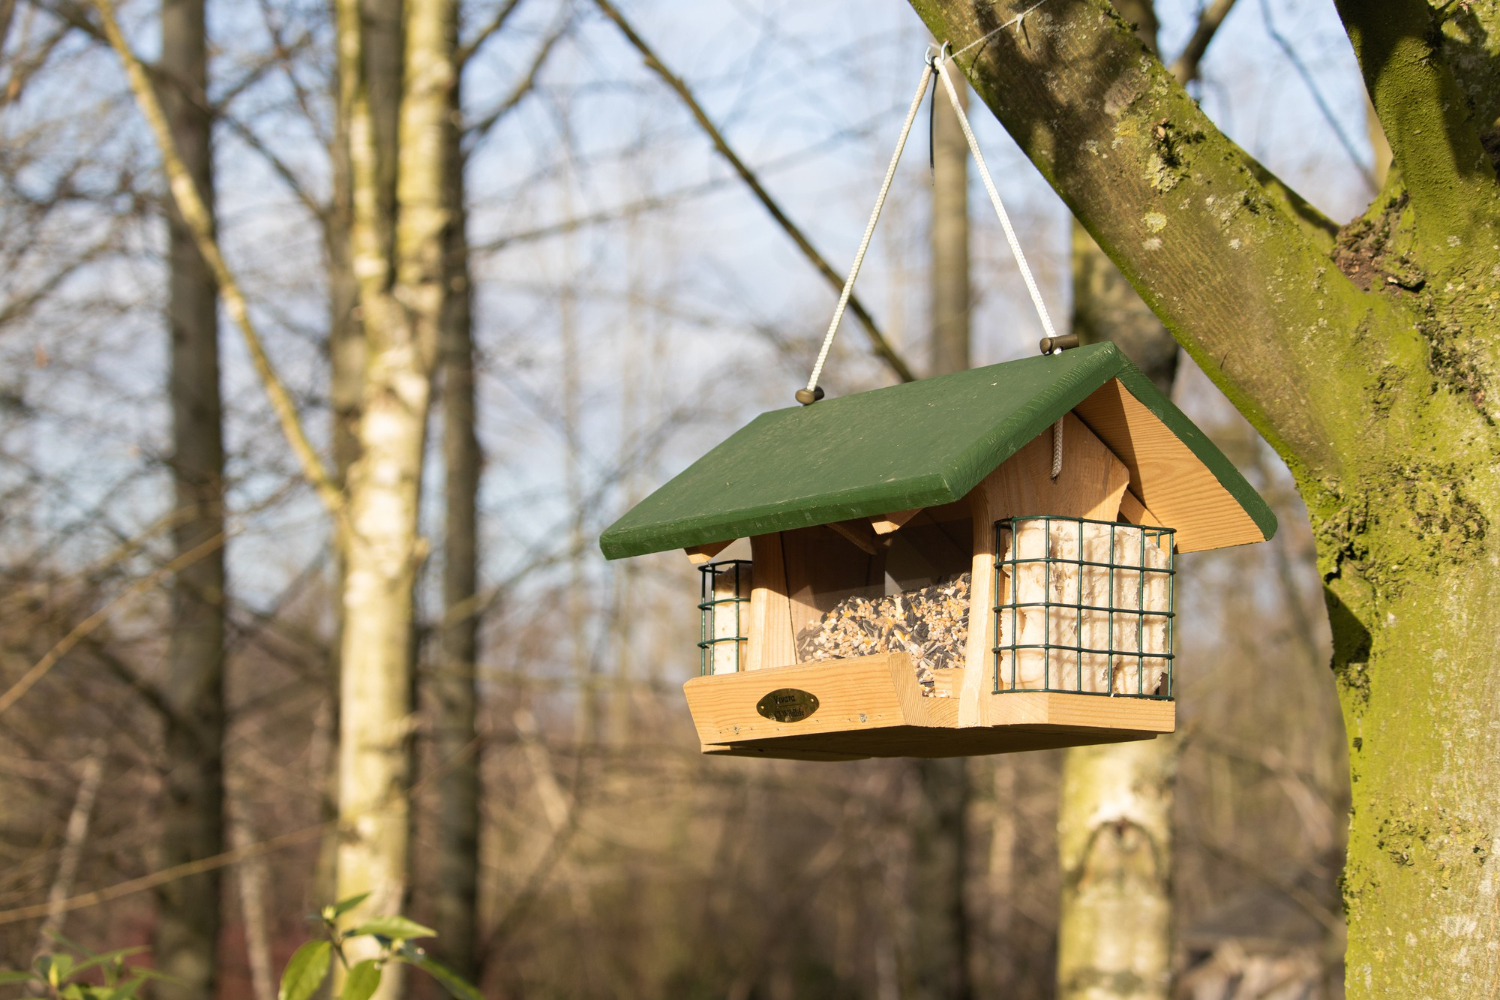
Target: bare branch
522, 87
195, 213
883, 348
473, 45
278, 56
1288, 50
1189, 61
83, 629
284, 170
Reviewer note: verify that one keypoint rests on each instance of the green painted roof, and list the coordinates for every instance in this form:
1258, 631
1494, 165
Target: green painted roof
915, 445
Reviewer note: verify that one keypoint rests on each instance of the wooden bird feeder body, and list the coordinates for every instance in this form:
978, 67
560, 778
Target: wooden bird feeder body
919, 583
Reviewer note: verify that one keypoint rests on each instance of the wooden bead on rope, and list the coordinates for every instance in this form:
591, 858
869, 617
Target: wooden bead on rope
808, 398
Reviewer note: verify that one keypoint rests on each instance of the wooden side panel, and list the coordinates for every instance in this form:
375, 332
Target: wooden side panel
920, 741
1090, 485
1060, 710
858, 693
770, 642
1164, 473
1030, 720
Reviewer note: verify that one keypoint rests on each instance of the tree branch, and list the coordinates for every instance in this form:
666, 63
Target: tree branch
317, 209
195, 213
467, 49
1432, 130
477, 131
883, 348
1189, 61
1290, 51
1227, 262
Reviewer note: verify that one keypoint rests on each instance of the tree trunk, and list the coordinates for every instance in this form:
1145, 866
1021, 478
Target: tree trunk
188, 918
452, 697
952, 300
938, 945
1366, 356
1114, 936
401, 288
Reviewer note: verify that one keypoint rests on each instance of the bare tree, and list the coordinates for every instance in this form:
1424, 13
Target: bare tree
401, 275
449, 685
188, 921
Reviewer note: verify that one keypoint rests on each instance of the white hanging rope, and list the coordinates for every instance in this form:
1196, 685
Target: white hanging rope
864, 244
1010, 233
939, 64
989, 185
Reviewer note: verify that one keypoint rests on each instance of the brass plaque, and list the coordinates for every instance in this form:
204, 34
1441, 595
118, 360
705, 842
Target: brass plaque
787, 705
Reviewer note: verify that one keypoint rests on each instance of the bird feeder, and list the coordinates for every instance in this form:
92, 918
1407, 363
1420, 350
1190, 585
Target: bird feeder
972, 564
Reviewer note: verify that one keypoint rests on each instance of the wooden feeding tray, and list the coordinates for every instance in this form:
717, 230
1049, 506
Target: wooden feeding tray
868, 622
872, 706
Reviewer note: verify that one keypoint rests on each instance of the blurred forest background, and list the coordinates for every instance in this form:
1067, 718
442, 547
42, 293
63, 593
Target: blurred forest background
632, 303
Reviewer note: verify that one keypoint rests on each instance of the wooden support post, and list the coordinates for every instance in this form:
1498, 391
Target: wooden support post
889, 524
1090, 485
859, 534
770, 642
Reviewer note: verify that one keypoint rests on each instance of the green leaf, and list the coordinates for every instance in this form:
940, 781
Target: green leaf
9, 977
127, 991
107, 958
54, 969
306, 971
67, 942
363, 981
451, 981
394, 927
343, 906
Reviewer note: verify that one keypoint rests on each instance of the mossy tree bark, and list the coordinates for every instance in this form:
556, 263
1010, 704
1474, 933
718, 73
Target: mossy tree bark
1366, 356
400, 273
188, 916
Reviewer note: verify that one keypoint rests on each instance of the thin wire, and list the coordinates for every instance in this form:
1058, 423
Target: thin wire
988, 35
989, 185
864, 244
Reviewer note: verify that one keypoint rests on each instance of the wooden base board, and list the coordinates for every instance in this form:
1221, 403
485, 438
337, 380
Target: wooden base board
872, 706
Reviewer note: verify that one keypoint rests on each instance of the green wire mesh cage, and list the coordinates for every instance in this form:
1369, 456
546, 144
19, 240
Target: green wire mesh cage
725, 613
1083, 607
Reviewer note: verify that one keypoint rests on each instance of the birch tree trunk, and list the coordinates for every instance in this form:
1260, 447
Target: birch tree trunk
938, 947
1367, 356
347, 349
401, 297
188, 917
1115, 846
452, 697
